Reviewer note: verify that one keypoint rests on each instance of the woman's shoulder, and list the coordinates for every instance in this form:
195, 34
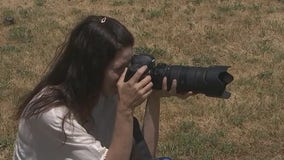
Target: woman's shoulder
56, 113
49, 95
50, 118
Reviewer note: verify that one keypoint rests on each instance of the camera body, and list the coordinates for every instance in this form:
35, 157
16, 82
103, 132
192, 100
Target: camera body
210, 81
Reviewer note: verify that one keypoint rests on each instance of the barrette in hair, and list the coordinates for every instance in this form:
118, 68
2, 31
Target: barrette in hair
103, 20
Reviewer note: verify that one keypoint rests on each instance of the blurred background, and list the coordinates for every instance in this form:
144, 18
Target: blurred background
247, 35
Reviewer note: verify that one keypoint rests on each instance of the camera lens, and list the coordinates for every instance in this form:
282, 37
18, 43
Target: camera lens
225, 77
210, 81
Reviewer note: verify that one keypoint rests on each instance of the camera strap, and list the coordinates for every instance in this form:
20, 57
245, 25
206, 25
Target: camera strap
141, 149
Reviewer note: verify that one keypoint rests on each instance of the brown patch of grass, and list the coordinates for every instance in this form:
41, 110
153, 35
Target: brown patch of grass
7, 130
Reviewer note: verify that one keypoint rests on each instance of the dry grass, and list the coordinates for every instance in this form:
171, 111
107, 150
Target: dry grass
245, 34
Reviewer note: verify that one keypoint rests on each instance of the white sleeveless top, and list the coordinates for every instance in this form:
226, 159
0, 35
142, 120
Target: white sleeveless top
41, 138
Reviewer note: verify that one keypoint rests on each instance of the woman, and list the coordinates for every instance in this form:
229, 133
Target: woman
82, 108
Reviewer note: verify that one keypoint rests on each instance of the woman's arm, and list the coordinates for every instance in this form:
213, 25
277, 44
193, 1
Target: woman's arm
130, 94
122, 140
151, 122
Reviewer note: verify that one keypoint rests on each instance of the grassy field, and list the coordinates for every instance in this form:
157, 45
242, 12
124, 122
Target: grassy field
248, 35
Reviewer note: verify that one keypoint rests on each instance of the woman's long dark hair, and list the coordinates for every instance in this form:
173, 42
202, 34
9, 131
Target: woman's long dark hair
75, 77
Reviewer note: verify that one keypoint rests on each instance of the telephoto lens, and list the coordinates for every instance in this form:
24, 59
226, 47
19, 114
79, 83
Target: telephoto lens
211, 81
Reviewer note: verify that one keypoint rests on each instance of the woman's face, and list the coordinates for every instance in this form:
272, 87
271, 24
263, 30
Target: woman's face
115, 69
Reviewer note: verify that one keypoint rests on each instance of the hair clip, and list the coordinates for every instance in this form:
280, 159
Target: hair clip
103, 20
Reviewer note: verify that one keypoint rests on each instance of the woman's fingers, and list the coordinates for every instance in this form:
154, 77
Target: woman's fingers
133, 91
173, 87
164, 86
173, 90
122, 76
143, 98
146, 88
144, 82
135, 78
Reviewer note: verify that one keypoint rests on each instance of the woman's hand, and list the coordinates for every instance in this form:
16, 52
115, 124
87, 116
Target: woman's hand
130, 94
172, 92
134, 92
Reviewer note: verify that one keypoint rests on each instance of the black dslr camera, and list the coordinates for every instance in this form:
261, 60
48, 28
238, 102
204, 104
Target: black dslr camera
210, 81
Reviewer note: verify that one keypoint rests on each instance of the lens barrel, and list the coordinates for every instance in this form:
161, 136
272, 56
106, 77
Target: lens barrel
210, 81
